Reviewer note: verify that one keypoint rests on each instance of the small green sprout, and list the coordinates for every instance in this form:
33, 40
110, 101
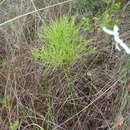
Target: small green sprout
6, 102
108, 15
14, 125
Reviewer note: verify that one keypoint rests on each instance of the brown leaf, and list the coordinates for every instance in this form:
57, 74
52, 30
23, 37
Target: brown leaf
119, 120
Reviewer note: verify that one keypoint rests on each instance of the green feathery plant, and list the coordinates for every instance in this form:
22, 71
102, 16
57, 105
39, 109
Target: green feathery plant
62, 43
14, 125
93, 5
6, 102
108, 14
86, 24
108, 1
89, 4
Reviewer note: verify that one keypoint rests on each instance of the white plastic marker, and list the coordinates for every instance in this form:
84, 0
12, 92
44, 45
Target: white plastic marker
115, 33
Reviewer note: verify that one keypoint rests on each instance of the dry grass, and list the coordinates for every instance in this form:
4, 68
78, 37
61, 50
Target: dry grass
40, 98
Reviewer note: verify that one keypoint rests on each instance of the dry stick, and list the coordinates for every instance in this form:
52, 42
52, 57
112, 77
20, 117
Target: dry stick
20, 16
36, 9
87, 105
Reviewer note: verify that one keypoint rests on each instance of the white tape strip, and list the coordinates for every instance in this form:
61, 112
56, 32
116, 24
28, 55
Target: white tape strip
115, 33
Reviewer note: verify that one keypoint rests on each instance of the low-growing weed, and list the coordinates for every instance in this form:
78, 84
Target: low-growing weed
14, 125
88, 4
62, 43
6, 102
93, 5
108, 14
108, 1
86, 24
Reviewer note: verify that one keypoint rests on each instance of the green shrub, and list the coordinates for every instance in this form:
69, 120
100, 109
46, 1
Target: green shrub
93, 5
6, 102
14, 125
89, 4
86, 24
62, 43
108, 15
108, 1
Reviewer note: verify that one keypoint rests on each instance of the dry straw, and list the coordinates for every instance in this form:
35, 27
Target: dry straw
35, 11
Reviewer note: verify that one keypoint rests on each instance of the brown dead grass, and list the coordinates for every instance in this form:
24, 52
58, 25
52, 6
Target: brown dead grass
89, 99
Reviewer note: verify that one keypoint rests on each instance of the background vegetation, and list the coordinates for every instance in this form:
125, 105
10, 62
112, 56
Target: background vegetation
59, 70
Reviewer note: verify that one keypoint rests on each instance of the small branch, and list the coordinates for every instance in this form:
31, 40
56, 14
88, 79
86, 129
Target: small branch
41, 9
